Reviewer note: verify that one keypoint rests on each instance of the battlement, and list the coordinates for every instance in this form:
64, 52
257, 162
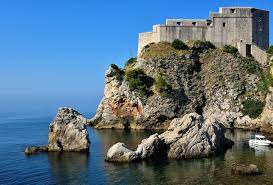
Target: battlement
241, 27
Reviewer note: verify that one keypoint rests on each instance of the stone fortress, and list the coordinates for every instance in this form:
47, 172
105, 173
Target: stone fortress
243, 27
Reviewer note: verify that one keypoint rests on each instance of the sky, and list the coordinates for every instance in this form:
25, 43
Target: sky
55, 52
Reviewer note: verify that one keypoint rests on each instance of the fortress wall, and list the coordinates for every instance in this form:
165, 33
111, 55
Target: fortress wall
259, 54
170, 33
147, 38
224, 32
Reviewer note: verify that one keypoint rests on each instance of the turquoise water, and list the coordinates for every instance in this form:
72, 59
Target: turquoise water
17, 132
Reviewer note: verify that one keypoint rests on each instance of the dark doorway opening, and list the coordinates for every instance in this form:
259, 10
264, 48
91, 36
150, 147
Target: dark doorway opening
248, 50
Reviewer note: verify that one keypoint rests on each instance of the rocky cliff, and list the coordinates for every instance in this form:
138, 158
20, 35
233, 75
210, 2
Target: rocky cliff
165, 83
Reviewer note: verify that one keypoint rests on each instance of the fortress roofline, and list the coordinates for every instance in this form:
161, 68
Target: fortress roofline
241, 7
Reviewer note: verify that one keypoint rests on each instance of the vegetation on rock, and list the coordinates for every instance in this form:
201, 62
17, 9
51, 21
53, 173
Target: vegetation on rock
270, 50
138, 81
161, 86
162, 50
130, 62
230, 49
252, 107
203, 45
179, 45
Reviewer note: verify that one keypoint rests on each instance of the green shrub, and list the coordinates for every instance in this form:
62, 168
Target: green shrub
266, 81
204, 45
251, 66
230, 49
179, 45
162, 86
138, 81
252, 107
130, 62
270, 50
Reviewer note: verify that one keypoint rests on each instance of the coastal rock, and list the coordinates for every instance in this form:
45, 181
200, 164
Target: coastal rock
192, 137
35, 150
267, 115
187, 137
246, 170
120, 153
67, 132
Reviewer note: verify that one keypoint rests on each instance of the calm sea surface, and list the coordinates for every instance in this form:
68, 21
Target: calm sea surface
17, 132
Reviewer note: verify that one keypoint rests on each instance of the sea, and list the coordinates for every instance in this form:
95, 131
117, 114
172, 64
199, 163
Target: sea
18, 131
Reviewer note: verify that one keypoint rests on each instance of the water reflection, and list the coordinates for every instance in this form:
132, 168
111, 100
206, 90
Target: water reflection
215, 170
68, 167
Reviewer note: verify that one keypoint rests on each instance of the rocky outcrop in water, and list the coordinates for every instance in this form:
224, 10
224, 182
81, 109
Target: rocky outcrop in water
207, 81
251, 169
67, 132
187, 137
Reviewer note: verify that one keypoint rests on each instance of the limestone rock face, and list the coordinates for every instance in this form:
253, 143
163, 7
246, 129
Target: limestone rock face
68, 132
187, 137
192, 137
211, 82
267, 115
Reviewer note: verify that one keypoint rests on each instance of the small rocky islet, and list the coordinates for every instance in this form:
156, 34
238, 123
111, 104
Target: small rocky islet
194, 94
67, 133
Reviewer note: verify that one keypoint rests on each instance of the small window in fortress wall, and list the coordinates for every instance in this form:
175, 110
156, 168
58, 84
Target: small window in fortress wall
178, 23
224, 24
194, 23
232, 10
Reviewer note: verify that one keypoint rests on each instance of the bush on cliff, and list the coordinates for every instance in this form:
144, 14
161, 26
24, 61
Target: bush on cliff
252, 107
179, 45
162, 86
203, 45
130, 62
266, 81
270, 50
230, 49
138, 81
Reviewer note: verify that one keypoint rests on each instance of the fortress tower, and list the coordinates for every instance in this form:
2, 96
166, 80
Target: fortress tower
243, 27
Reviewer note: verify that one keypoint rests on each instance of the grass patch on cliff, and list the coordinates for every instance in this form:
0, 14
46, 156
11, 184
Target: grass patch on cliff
162, 50
161, 86
230, 49
138, 81
252, 107
266, 81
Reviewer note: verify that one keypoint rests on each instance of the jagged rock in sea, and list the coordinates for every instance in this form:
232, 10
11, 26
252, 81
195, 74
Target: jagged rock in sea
187, 137
67, 132
177, 82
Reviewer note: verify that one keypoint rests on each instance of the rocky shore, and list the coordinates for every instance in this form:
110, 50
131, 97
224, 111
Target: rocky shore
187, 137
67, 132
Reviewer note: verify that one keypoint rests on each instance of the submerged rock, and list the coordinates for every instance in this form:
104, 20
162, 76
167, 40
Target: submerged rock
35, 150
187, 137
67, 132
246, 170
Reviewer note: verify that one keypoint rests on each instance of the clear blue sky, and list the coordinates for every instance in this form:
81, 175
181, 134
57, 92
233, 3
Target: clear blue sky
55, 52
